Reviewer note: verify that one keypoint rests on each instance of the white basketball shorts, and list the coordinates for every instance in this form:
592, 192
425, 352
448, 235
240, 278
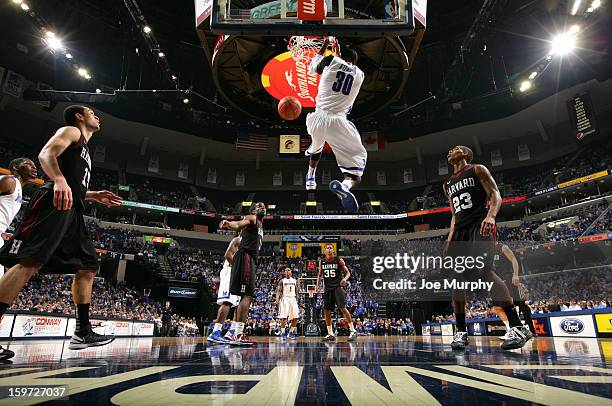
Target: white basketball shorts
288, 308
342, 136
224, 283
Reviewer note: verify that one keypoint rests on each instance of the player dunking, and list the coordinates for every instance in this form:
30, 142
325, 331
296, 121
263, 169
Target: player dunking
52, 237
508, 268
225, 299
340, 83
329, 269
11, 195
473, 232
286, 299
242, 282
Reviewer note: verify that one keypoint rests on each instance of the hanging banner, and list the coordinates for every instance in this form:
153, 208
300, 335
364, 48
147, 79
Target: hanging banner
153, 164
523, 152
183, 170
496, 158
408, 175
298, 178
13, 85
277, 178
582, 115
240, 178
443, 166
381, 178
212, 176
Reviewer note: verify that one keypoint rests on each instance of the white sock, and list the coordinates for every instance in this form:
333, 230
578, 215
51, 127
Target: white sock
311, 172
218, 327
239, 328
348, 183
507, 324
330, 330
233, 326
351, 326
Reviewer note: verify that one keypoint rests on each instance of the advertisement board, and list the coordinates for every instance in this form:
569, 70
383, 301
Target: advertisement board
577, 347
6, 324
97, 325
436, 330
142, 329
541, 326
426, 330
476, 329
573, 326
39, 326
495, 328
118, 328
188, 293
447, 329
604, 324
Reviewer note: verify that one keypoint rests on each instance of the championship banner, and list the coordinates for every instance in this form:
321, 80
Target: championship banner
408, 178
240, 178
496, 158
289, 144
277, 178
293, 250
211, 176
582, 115
39, 326
183, 170
523, 152
443, 166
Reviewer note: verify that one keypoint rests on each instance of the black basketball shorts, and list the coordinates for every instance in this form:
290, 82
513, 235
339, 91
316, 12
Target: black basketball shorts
58, 239
334, 297
242, 281
466, 243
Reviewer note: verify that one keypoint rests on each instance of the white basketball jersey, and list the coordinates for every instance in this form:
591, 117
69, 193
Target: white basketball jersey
339, 86
10, 205
289, 286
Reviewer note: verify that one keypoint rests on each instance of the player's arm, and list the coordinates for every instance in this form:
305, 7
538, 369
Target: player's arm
279, 290
109, 199
247, 221
515, 265
7, 185
63, 138
452, 224
319, 276
347, 273
490, 187
320, 61
231, 250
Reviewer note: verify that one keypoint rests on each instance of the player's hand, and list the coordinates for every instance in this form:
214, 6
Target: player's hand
62, 195
515, 280
224, 224
335, 47
109, 199
342, 282
488, 226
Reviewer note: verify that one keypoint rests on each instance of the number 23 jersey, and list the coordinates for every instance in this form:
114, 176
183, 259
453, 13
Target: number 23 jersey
468, 197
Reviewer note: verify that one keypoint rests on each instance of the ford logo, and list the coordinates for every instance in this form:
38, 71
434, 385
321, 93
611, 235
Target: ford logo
572, 326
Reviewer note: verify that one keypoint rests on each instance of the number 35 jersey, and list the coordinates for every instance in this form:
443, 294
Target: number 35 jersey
339, 86
468, 197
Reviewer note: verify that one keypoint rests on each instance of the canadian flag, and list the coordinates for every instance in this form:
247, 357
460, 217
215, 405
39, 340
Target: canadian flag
373, 141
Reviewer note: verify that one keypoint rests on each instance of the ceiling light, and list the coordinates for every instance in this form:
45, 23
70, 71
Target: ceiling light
575, 7
54, 43
161, 54
533, 75
17, 1
98, 91
82, 72
174, 77
147, 29
595, 4
25, 7
186, 101
87, 76
574, 29
68, 56
563, 44
525, 85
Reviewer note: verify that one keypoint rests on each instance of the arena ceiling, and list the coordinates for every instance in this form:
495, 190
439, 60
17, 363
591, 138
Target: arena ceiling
469, 86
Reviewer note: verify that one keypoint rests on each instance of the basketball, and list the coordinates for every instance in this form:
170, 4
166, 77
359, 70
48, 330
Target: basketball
289, 108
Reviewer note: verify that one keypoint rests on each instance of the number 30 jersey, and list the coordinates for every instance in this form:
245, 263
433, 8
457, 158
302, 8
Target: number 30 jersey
468, 197
339, 86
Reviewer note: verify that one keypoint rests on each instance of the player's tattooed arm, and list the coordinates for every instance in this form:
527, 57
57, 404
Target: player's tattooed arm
452, 224
490, 187
507, 252
347, 273
7, 185
63, 138
247, 221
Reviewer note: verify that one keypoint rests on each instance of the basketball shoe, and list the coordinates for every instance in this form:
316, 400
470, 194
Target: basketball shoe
460, 341
311, 183
87, 339
347, 198
517, 337
242, 340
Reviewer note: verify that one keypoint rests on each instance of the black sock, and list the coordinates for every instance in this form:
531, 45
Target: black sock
526, 310
513, 318
3, 308
82, 318
460, 318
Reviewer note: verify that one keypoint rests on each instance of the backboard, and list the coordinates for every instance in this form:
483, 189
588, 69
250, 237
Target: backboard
345, 18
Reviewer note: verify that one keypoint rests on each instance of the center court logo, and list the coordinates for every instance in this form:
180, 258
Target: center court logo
572, 326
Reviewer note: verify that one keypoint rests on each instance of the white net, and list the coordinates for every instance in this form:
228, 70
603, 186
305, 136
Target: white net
305, 48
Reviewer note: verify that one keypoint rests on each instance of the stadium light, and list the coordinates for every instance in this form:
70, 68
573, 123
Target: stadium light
563, 44
186, 100
595, 4
525, 85
68, 56
17, 1
88, 76
574, 29
147, 29
98, 91
161, 54
575, 7
25, 7
53, 41
533, 75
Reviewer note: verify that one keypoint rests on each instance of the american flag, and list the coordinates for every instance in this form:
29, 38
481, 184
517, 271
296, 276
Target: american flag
252, 141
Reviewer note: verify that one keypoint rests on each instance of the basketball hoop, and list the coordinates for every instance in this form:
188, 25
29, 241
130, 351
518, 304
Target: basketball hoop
304, 49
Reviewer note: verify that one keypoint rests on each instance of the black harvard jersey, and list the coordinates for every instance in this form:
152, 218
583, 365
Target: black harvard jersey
467, 196
75, 165
331, 272
252, 238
